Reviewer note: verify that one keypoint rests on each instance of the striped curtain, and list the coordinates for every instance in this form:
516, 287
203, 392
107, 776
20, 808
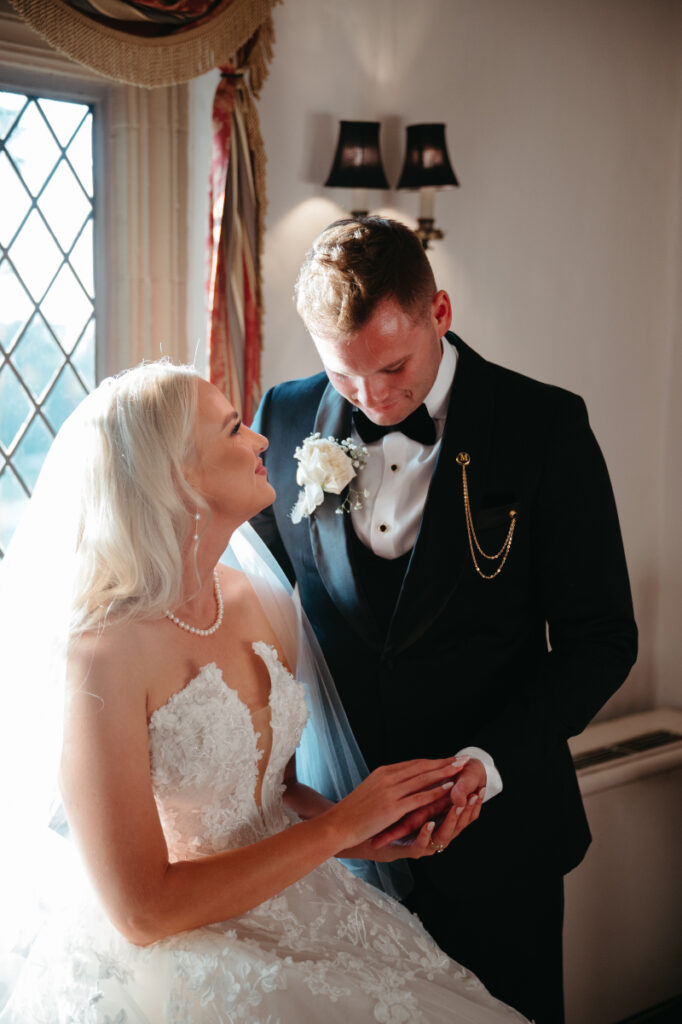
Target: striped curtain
163, 42
235, 227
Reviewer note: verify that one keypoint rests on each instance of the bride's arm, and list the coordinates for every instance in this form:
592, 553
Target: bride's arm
304, 801
307, 803
107, 790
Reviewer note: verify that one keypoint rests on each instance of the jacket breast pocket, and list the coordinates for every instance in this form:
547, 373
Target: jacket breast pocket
496, 515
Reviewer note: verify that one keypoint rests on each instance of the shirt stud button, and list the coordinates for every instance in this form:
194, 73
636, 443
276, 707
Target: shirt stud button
383, 528
394, 468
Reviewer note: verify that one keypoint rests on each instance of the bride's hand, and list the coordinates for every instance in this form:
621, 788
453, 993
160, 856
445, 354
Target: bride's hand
429, 829
405, 830
419, 846
387, 795
459, 809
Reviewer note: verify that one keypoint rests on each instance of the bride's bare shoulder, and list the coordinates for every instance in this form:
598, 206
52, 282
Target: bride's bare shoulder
117, 654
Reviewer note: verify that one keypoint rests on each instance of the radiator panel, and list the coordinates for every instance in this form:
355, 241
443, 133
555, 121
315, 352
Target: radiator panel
623, 927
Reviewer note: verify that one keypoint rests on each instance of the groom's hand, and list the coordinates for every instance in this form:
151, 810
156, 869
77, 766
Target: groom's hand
466, 799
452, 813
406, 830
467, 795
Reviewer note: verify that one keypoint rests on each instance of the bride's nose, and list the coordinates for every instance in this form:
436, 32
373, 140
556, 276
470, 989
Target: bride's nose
260, 440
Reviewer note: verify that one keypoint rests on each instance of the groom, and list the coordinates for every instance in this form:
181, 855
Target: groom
435, 646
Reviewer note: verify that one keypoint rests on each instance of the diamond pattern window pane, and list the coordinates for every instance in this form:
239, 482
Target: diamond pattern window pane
13, 500
81, 259
47, 322
11, 105
64, 205
64, 118
83, 357
32, 148
35, 255
15, 201
80, 154
28, 458
15, 307
67, 308
15, 407
63, 398
37, 357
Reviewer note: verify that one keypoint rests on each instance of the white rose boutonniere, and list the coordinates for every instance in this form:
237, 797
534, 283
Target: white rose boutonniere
326, 465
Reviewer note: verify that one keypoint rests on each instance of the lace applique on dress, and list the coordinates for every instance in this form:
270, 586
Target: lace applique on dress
327, 948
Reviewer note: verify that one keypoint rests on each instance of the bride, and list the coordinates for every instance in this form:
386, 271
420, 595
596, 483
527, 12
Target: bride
156, 682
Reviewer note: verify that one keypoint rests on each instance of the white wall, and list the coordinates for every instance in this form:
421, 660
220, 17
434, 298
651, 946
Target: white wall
669, 633
562, 248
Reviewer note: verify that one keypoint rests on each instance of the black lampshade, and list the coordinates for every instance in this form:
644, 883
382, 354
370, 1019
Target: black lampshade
427, 163
357, 163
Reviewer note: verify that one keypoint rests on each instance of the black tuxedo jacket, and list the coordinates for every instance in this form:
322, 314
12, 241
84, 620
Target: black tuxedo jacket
515, 664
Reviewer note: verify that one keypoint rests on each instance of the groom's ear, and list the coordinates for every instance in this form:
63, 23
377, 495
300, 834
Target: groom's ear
441, 312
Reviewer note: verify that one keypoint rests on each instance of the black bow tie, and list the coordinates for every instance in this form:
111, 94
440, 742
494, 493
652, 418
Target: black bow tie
418, 425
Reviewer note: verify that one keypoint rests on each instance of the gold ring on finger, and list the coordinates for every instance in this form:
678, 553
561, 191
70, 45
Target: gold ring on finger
437, 847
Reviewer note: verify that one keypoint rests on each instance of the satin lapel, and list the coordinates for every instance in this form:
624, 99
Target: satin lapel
441, 552
330, 531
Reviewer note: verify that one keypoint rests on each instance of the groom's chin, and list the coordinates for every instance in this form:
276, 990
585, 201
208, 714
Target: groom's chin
385, 415
389, 415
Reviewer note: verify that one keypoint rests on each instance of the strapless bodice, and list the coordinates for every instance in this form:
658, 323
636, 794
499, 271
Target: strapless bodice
205, 760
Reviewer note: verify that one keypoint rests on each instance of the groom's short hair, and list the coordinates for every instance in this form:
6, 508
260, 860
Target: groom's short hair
355, 264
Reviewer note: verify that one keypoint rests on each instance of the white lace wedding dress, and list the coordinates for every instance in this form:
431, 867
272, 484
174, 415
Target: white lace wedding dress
329, 948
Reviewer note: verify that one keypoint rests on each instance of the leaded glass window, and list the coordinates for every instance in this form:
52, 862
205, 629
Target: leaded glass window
47, 295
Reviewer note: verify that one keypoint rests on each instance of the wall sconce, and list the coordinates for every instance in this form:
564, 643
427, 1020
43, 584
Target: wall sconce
357, 163
427, 167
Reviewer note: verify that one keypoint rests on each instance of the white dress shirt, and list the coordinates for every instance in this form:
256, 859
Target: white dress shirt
397, 477
398, 474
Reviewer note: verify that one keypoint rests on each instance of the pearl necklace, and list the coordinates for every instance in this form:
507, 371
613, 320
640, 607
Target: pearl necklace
195, 629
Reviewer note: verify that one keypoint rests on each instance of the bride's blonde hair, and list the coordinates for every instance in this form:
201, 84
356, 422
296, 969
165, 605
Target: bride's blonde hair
136, 506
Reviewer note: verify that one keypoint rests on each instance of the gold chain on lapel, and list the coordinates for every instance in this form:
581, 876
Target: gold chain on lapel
463, 459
